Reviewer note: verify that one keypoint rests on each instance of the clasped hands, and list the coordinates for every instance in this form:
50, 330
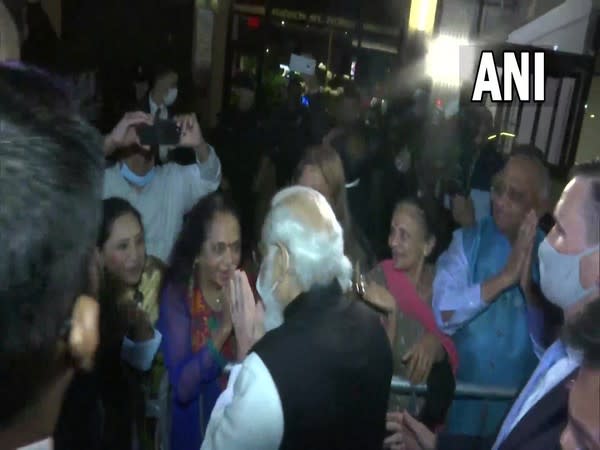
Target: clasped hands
245, 313
518, 266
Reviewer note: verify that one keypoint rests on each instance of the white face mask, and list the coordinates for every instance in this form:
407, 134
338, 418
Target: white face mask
266, 289
171, 96
559, 275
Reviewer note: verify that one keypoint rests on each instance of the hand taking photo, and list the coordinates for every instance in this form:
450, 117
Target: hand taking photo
124, 134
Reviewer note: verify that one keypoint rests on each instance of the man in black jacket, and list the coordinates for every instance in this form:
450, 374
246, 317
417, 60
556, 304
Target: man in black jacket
320, 378
583, 426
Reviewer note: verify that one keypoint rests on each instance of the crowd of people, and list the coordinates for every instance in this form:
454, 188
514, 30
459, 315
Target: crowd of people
171, 297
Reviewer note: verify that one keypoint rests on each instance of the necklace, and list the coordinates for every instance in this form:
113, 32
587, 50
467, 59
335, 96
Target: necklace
215, 304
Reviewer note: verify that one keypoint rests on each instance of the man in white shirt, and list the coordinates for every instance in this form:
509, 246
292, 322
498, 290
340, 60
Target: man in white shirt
569, 278
320, 378
162, 194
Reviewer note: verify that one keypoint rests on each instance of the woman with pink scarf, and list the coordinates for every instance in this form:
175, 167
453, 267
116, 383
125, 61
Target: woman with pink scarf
403, 287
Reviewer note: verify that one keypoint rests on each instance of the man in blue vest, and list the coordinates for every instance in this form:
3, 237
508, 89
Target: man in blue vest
477, 298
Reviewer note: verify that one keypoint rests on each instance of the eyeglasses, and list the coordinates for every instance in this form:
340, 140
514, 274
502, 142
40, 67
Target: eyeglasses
499, 188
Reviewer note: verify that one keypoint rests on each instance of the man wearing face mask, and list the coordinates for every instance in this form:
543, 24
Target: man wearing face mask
570, 278
569, 260
162, 194
160, 100
320, 378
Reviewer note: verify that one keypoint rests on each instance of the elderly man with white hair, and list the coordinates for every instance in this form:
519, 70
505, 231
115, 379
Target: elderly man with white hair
320, 377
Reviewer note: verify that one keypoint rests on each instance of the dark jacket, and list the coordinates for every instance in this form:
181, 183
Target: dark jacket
539, 429
332, 365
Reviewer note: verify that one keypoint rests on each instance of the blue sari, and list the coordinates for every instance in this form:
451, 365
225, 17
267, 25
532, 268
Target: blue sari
194, 365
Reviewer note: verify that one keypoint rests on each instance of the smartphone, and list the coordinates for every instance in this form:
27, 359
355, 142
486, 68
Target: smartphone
163, 132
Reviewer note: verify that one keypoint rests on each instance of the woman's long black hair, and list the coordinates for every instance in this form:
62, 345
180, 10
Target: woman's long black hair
192, 237
113, 208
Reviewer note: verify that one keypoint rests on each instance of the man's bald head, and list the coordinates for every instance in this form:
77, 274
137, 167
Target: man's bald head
304, 224
9, 36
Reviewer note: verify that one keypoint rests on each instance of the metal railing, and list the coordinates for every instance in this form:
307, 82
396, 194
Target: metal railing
402, 386
463, 390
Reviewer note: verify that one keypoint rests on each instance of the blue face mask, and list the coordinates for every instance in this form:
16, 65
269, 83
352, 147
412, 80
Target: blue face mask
136, 180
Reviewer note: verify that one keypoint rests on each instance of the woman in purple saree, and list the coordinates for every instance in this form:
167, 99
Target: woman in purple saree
195, 320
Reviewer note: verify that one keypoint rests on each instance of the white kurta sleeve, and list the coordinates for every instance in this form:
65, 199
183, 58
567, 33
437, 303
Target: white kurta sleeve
252, 417
452, 290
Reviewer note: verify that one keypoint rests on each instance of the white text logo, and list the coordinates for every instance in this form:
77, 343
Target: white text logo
519, 68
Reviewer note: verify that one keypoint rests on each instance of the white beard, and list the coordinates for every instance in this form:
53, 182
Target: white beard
273, 309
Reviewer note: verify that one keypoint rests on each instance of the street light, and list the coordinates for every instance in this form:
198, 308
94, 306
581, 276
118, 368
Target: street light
422, 15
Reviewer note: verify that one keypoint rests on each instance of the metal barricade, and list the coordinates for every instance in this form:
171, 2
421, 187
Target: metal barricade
402, 386
463, 390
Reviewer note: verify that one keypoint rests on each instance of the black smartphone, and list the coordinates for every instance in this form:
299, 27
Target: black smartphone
163, 132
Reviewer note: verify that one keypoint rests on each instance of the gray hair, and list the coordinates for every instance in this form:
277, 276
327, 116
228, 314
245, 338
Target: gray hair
316, 249
536, 156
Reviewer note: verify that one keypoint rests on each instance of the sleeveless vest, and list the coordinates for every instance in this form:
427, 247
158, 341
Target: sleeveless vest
332, 365
495, 348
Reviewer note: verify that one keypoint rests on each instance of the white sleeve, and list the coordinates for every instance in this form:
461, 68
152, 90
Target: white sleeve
226, 396
195, 181
110, 185
252, 419
452, 291
140, 355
